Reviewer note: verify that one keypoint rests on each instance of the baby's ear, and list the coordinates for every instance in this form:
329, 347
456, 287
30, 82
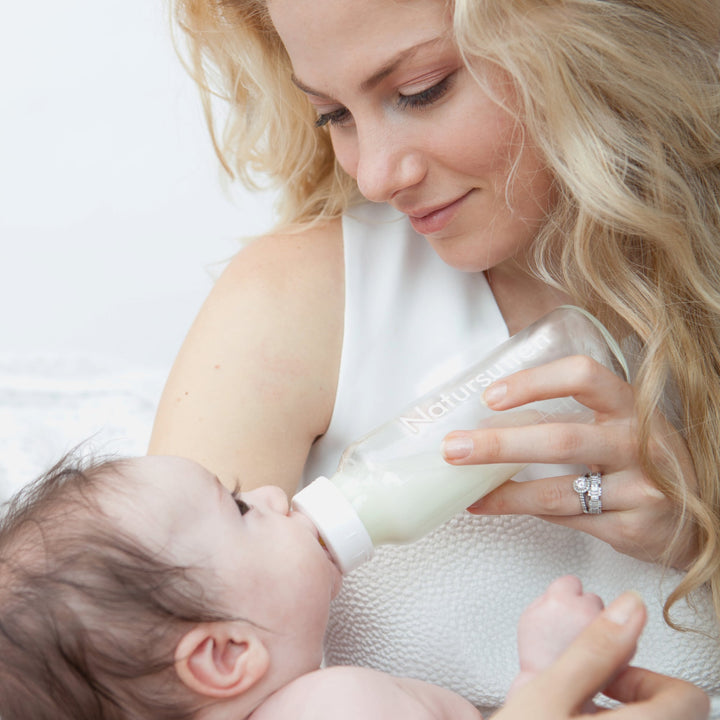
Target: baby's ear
221, 659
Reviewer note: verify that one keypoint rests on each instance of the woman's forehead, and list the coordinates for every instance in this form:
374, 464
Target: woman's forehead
348, 30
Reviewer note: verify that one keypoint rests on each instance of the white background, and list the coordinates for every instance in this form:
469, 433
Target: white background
113, 219
113, 224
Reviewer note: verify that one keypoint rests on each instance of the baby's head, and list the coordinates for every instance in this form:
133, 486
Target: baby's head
143, 588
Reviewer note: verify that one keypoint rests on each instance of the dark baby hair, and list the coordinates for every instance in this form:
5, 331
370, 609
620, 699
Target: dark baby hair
89, 619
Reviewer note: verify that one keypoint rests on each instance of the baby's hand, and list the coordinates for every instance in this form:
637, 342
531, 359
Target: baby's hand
550, 623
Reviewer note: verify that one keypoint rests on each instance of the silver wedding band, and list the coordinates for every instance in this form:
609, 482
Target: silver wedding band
589, 489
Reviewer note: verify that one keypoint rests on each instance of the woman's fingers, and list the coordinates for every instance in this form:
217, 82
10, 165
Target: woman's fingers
635, 519
618, 503
556, 497
649, 695
597, 661
601, 650
515, 435
563, 443
576, 376
584, 668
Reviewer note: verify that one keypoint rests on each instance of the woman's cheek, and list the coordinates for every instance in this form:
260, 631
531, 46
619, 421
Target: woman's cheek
346, 152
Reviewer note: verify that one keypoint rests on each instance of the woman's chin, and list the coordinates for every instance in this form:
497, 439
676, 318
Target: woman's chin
460, 253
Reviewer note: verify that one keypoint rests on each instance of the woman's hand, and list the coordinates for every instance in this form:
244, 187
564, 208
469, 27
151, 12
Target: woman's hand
591, 664
637, 519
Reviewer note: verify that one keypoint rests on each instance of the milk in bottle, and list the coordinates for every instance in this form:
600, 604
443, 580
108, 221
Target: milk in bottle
393, 485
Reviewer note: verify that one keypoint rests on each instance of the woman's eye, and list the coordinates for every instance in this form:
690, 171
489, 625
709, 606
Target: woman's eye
342, 116
426, 97
243, 507
336, 117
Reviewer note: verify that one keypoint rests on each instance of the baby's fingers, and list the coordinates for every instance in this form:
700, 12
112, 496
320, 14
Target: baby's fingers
595, 657
598, 654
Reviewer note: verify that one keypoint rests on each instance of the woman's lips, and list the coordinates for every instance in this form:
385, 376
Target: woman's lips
436, 220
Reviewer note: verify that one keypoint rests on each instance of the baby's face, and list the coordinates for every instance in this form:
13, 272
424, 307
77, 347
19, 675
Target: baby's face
263, 562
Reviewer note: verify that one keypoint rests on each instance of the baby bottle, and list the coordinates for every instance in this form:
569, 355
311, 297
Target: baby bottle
393, 486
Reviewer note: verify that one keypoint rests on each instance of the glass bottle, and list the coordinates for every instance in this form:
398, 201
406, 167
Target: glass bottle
393, 486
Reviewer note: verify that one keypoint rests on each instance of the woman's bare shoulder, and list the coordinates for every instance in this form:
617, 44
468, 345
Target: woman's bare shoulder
309, 261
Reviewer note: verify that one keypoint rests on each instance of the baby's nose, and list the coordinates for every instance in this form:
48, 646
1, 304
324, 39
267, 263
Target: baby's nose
270, 497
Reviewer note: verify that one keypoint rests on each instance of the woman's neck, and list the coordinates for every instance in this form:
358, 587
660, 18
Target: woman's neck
521, 297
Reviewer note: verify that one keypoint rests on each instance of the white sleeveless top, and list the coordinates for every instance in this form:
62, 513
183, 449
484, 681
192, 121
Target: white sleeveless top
445, 609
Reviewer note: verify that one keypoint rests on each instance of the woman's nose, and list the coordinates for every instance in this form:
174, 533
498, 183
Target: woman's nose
387, 163
269, 497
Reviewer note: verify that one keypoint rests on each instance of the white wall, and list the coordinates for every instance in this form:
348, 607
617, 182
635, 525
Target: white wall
112, 214
113, 223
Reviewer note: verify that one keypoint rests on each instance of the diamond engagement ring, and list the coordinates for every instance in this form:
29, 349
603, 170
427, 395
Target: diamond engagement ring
589, 489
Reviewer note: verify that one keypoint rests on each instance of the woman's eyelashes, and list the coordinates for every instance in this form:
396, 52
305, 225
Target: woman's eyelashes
426, 97
335, 117
413, 102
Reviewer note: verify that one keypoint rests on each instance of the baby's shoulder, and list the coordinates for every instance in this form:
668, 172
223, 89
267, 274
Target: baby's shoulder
355, 693
348, 692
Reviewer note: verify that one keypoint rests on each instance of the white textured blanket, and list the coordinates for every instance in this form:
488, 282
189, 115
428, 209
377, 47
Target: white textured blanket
48, 405
405, 612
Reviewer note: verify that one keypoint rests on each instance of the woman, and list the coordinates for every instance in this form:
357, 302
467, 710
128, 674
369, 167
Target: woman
549, 152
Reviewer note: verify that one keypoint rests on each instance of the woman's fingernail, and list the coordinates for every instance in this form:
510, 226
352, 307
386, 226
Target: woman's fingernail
457, 448
624, 607
495, 393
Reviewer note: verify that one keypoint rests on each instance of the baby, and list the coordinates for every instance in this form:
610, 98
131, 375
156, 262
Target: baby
143, 588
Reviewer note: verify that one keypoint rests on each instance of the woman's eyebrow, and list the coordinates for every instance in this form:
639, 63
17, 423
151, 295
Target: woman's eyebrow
378, 76
305, 88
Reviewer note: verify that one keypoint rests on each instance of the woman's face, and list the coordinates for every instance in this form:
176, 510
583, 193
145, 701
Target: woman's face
412, 126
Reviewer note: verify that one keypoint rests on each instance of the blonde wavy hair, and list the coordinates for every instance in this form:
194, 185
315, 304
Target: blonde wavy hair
263, 127
623, 99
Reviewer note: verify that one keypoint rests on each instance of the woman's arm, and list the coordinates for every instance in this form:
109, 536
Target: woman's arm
255, 380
